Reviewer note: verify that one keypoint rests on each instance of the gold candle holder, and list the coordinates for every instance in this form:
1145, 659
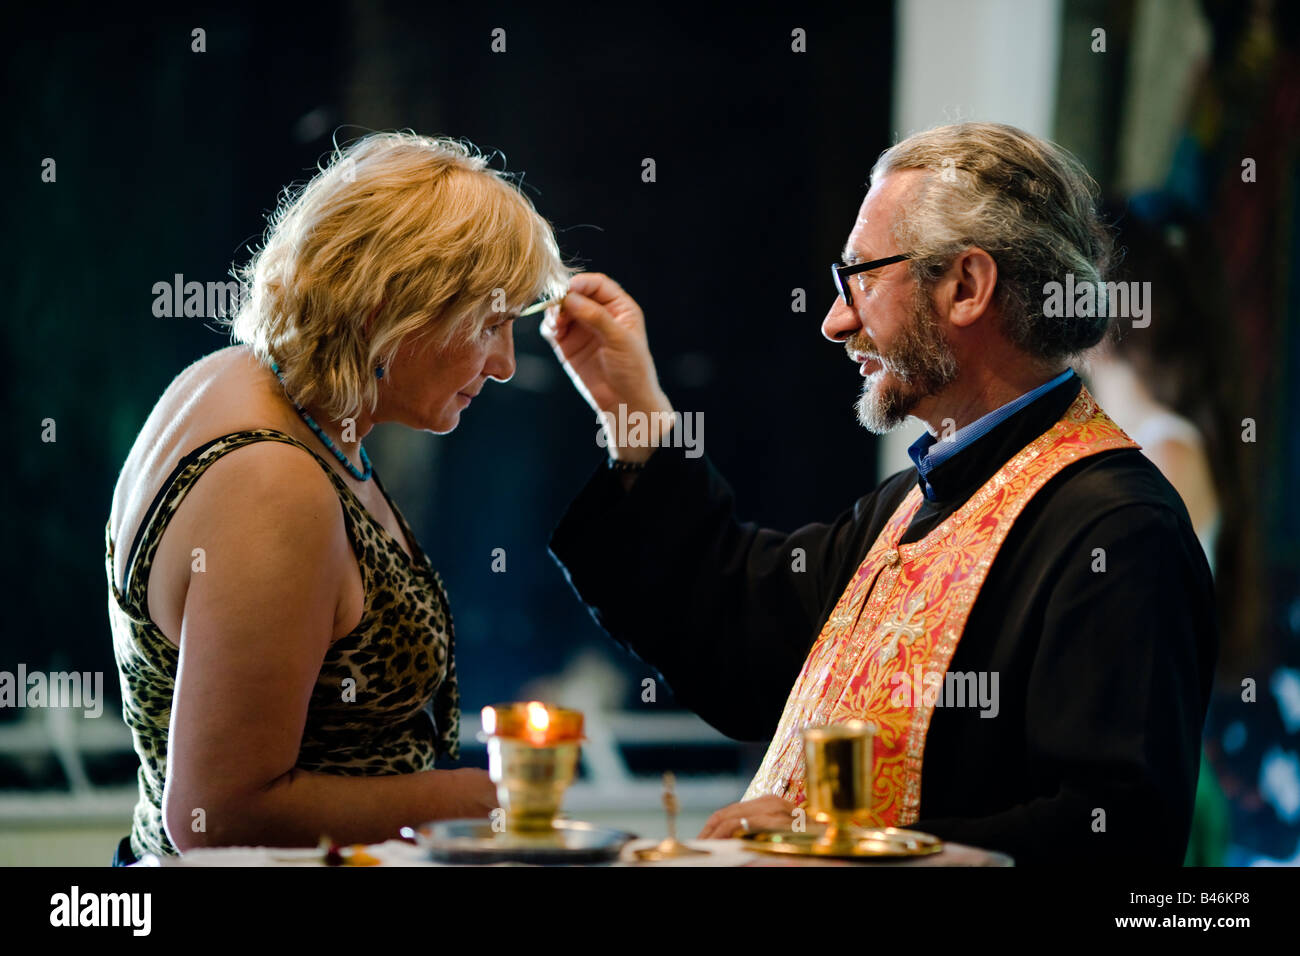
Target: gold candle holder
532, 758
838, 764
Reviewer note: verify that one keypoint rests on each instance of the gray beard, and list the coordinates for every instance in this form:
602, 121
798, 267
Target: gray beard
883, 408
920, 364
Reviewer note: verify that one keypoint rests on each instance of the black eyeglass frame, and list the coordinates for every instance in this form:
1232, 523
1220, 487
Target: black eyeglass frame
841, 272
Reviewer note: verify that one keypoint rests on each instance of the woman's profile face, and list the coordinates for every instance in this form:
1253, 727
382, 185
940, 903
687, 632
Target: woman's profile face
429, 387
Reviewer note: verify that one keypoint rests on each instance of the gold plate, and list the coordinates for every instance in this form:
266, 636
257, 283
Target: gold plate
863, 844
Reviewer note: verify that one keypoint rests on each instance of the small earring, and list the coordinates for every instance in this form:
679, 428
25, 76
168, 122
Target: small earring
379, 371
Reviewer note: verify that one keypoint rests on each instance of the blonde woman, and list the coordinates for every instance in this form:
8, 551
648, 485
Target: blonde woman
284, 647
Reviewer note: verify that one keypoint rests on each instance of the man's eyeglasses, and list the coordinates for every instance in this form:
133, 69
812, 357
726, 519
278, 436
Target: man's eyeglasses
841, 273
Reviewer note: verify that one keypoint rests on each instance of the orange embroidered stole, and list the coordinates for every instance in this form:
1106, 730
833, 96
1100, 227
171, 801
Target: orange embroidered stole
902, 614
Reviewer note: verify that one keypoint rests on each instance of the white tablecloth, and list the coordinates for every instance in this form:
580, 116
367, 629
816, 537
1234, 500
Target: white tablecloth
721, 853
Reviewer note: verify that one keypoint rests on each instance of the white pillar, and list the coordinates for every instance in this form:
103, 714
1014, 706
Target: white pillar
961, 60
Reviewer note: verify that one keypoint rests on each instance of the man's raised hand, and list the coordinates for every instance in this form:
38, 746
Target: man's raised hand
598, 334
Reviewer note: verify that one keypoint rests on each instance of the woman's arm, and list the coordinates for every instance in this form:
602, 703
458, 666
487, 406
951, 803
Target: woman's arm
1188, 470
257, 623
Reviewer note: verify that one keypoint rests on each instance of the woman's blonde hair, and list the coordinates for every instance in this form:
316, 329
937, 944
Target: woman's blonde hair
404, 233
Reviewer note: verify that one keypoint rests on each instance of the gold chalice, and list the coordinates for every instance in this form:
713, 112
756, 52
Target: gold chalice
838, 785
837, 780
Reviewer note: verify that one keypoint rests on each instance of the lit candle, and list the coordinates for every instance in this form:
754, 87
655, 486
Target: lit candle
539, 724
532, 758
538, 720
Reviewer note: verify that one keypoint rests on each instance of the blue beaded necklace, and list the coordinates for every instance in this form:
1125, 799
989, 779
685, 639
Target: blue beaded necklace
311, 423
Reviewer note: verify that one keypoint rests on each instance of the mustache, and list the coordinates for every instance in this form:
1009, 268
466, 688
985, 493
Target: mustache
859, 344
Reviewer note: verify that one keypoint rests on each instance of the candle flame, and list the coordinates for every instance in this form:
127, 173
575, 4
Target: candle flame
539, 718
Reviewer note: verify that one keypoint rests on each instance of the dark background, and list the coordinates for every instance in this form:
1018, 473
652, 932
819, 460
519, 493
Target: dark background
168, 161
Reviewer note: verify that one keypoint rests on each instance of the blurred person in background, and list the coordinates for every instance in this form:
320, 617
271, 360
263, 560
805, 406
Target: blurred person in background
284, 647
1174, 385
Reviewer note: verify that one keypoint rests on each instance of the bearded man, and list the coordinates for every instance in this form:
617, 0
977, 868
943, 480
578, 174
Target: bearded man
1033, 553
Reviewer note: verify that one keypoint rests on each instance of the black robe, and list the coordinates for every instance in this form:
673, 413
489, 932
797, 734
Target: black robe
1104, 677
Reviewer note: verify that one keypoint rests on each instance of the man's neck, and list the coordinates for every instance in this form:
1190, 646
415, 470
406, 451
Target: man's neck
970, 398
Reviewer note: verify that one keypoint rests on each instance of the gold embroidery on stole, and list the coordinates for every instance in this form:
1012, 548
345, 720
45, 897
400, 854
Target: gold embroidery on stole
903, 613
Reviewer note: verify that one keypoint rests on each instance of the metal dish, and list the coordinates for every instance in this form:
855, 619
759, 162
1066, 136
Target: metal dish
862, 844
474, 841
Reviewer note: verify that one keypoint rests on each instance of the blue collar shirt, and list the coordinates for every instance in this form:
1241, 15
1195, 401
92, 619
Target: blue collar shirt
928, 452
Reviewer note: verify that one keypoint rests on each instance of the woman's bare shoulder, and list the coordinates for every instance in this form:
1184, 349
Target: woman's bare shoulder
223, 392
233, 371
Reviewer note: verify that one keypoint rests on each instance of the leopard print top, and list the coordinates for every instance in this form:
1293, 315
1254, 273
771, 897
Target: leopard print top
401, 707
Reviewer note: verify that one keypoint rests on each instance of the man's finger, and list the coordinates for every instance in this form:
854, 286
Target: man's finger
579, 308
729, 825
596, 285
714, 819
714, 826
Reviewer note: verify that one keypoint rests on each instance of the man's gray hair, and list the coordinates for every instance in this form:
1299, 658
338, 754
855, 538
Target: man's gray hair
1028, 203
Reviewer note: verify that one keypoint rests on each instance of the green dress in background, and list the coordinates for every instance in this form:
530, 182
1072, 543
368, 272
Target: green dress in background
1211, 819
